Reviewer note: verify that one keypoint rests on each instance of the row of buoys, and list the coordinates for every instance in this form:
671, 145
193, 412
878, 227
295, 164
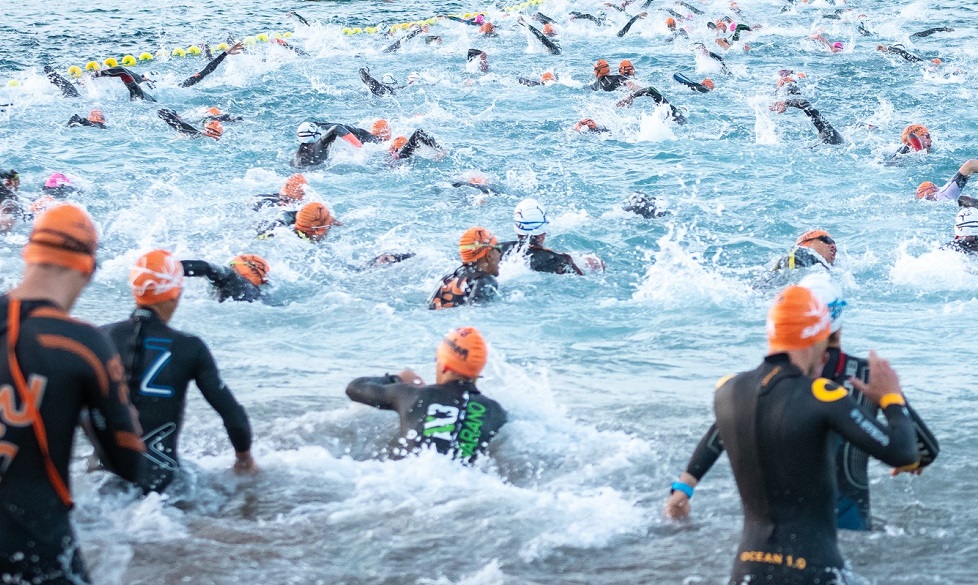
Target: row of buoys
406, 25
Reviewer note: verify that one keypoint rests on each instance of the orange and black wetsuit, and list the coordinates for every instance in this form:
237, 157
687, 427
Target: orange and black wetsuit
541, 259
160, 362
454, 418
467, 285
66, 366
776, 425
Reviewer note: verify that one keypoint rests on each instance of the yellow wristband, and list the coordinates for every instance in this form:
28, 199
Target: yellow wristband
892, 398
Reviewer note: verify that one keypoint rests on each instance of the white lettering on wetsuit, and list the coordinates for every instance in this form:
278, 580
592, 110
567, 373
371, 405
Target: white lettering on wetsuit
868, 427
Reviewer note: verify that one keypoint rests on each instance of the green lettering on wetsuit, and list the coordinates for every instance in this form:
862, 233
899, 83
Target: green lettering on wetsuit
468, 438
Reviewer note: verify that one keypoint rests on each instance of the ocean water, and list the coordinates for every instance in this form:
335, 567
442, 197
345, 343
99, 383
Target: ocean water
608, 378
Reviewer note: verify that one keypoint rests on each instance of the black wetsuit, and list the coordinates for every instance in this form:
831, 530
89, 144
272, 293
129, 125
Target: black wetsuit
315, 153
200, 75
693, 85
396, 45
900, 51
130, 79
852, 504
454, 418
362, 134
298, 16
690, 7
160, 362
609, 82
595, 19
550, 44
467, 285
739, 29
801, 257
176, 122
67, 89
717, 58
376, 87
77, 120
624, 30
826, 133
417, 138
541, 259
529, 82
68, 367
930, 31
227, 283
963, 245
659, 100
643, 205
776, 425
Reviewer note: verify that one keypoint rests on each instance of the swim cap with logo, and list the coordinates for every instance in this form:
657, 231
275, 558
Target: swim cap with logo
530, 218
797, 320
307, 132
476, 243
214, 111
381, 129
463, 351
252, 267
63, 235
911, 135
213, 129
626, 67
156, 277
294, 187
829, 292
966, 222
96, 117
926, 189
601, 68
313, 220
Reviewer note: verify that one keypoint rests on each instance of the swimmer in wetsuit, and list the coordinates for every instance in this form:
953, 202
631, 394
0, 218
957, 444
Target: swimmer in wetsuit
965, 230
777, 424
530, 219
826, 133
813, 248
930, 31
160, 362
10, 206
130, 79
200, 75
241, 280
852, 504
915, 138
624, 30
292, 192
378, 88
708, 53
95, 119
474, 281
644, 205
605, 81
587, 125
66, 87
900, 52
550, 44
952, 189
704, 86
57, 371
403, 147
547, 78
212, 129
315, 142
451, 416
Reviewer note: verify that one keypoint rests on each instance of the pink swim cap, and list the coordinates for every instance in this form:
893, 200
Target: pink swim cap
480, 18
837, 45
56, 180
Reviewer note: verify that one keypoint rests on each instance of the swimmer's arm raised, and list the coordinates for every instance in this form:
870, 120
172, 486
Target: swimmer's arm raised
385, 392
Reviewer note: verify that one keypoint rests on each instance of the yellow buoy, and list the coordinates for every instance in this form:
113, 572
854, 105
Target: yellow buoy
347, 30
178, 52
75, 71
287, 35
111, 62
468, 15
128, 60
92, 66
357, 30
262, 38
193, 50
249, 41
144, 56
13, 83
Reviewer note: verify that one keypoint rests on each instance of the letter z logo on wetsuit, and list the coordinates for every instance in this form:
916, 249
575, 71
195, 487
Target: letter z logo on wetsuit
147, 386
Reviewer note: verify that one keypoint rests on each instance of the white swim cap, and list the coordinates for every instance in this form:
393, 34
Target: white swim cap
966, 223
530, 218
308, 132
829, 292
388, 79
413, 77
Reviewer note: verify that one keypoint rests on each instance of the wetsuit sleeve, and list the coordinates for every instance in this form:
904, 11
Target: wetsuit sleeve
706, 454
952, 189
200, 75
77, 120
551, 46
112, 416
129, 79
596, 85
740, 28
484, 289
826, 133
299, 18
228, 283
175, 122
385, 392
375, 87
219, 396
528, 82
902, 53
691, 8
930, 31
894, 443
624, 29
418, 137
67, 89
397, 44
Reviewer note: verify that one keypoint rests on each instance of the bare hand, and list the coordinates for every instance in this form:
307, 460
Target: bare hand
677, 506
913, 469
408, 376
235, 48
244, 463
778, 107
883, 379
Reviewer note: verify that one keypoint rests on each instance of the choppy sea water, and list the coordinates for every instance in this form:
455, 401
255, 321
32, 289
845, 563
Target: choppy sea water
608, 378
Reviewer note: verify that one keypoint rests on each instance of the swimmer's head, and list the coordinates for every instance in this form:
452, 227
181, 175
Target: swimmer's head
214, 111
721, 25
313, 221
477, 243
601, 68
917, 136
96, 117
398, 143
926, 190
549, 30
307, 132
57, 181
252, 267
797, 320
820, 241
626, 68
530, 218
381, 129
548, 77
966, 223
156, 277
294, 188
671, 23
936, 61
463, 351
388, 79
708, 83
487, 29
413, 77
65, 236
837, 46
480, 18
586, 125
213, 129
829, 292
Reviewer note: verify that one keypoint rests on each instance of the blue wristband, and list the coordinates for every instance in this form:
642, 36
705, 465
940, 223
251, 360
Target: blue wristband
682, 487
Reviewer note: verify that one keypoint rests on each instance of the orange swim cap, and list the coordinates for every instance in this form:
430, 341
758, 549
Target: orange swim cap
805, 240
398, 143
601, 68
549, 30
463, 351
708, 83
548, 76
381, 129
65, 236
96, 117
785, 80
213, 129
487, 28
671, 22
797, 320
313, 220
936, 61
626, 67
155, 278
926, 189
294, 188
917, 130
253, 267
214, 111
475, 243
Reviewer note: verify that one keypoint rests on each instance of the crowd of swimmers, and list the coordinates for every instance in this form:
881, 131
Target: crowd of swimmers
126, 382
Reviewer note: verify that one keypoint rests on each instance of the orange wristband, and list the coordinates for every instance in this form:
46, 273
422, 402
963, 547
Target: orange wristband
892, 398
